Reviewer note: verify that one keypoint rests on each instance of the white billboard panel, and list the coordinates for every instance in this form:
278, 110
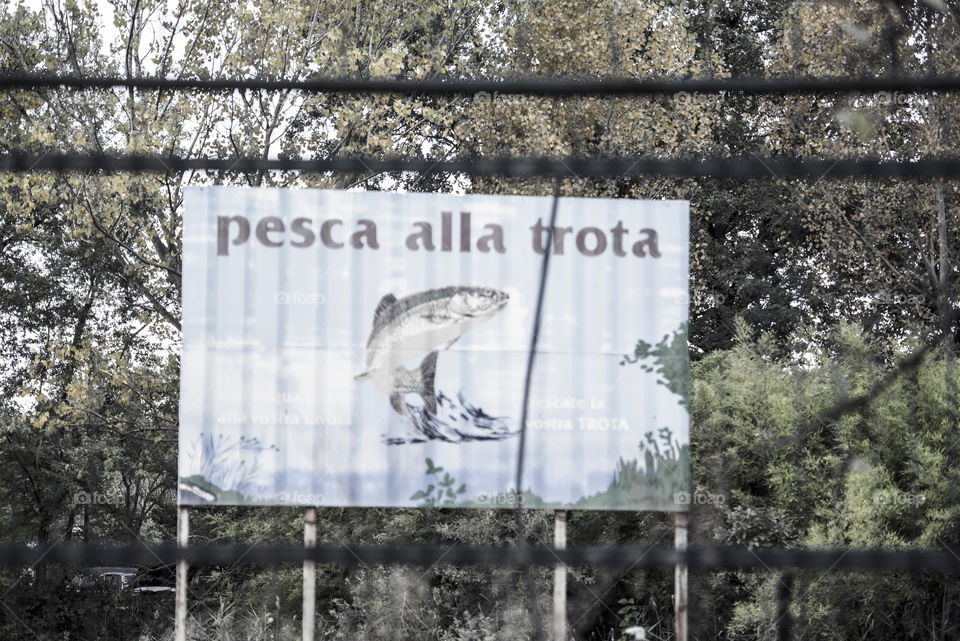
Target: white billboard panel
369, 349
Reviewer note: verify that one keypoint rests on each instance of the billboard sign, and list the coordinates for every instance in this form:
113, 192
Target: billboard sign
369, 349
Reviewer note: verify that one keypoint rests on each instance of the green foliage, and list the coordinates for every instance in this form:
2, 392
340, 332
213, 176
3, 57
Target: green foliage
633, 613
99, 612
657, 482
802, 294
223, 496
876, 478
671, 362
440, 492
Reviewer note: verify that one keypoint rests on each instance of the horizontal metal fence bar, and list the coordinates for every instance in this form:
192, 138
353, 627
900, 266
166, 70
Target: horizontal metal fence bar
532, 86
624, 557
733, 167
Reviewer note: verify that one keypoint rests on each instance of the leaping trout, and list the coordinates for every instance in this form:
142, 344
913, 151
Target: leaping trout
406, 328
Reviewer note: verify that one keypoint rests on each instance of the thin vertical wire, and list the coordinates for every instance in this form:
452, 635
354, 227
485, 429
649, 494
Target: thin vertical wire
534, 337
535, 617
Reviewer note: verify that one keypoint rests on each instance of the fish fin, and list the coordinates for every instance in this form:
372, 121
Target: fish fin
428, 372
398, 404
384, 303
362, 377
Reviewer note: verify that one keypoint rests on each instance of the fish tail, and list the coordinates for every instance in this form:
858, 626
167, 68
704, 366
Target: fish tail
419, 381
398, 404
428, 373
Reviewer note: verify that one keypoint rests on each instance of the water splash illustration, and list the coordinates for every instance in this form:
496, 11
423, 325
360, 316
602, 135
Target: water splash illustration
455, 421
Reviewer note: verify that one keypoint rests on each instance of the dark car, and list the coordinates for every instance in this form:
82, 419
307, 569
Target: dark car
156, 580
115, 577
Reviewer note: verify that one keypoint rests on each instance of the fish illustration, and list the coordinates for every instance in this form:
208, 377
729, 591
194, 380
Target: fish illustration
422, 323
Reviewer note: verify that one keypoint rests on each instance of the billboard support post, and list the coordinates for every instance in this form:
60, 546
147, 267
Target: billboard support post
309, 574
183, 537
560, 578
680, 601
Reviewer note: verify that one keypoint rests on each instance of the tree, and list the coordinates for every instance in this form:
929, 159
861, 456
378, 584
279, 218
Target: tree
879, 478
90, 278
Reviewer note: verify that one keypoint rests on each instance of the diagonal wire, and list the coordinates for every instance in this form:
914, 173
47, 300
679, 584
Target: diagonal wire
853, 404
409, 587
599, 599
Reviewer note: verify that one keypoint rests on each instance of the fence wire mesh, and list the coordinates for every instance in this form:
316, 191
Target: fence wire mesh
623, 558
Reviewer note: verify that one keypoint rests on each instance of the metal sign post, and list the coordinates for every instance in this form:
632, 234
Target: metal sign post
180, 606
309, 574
680, 578
560, 578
